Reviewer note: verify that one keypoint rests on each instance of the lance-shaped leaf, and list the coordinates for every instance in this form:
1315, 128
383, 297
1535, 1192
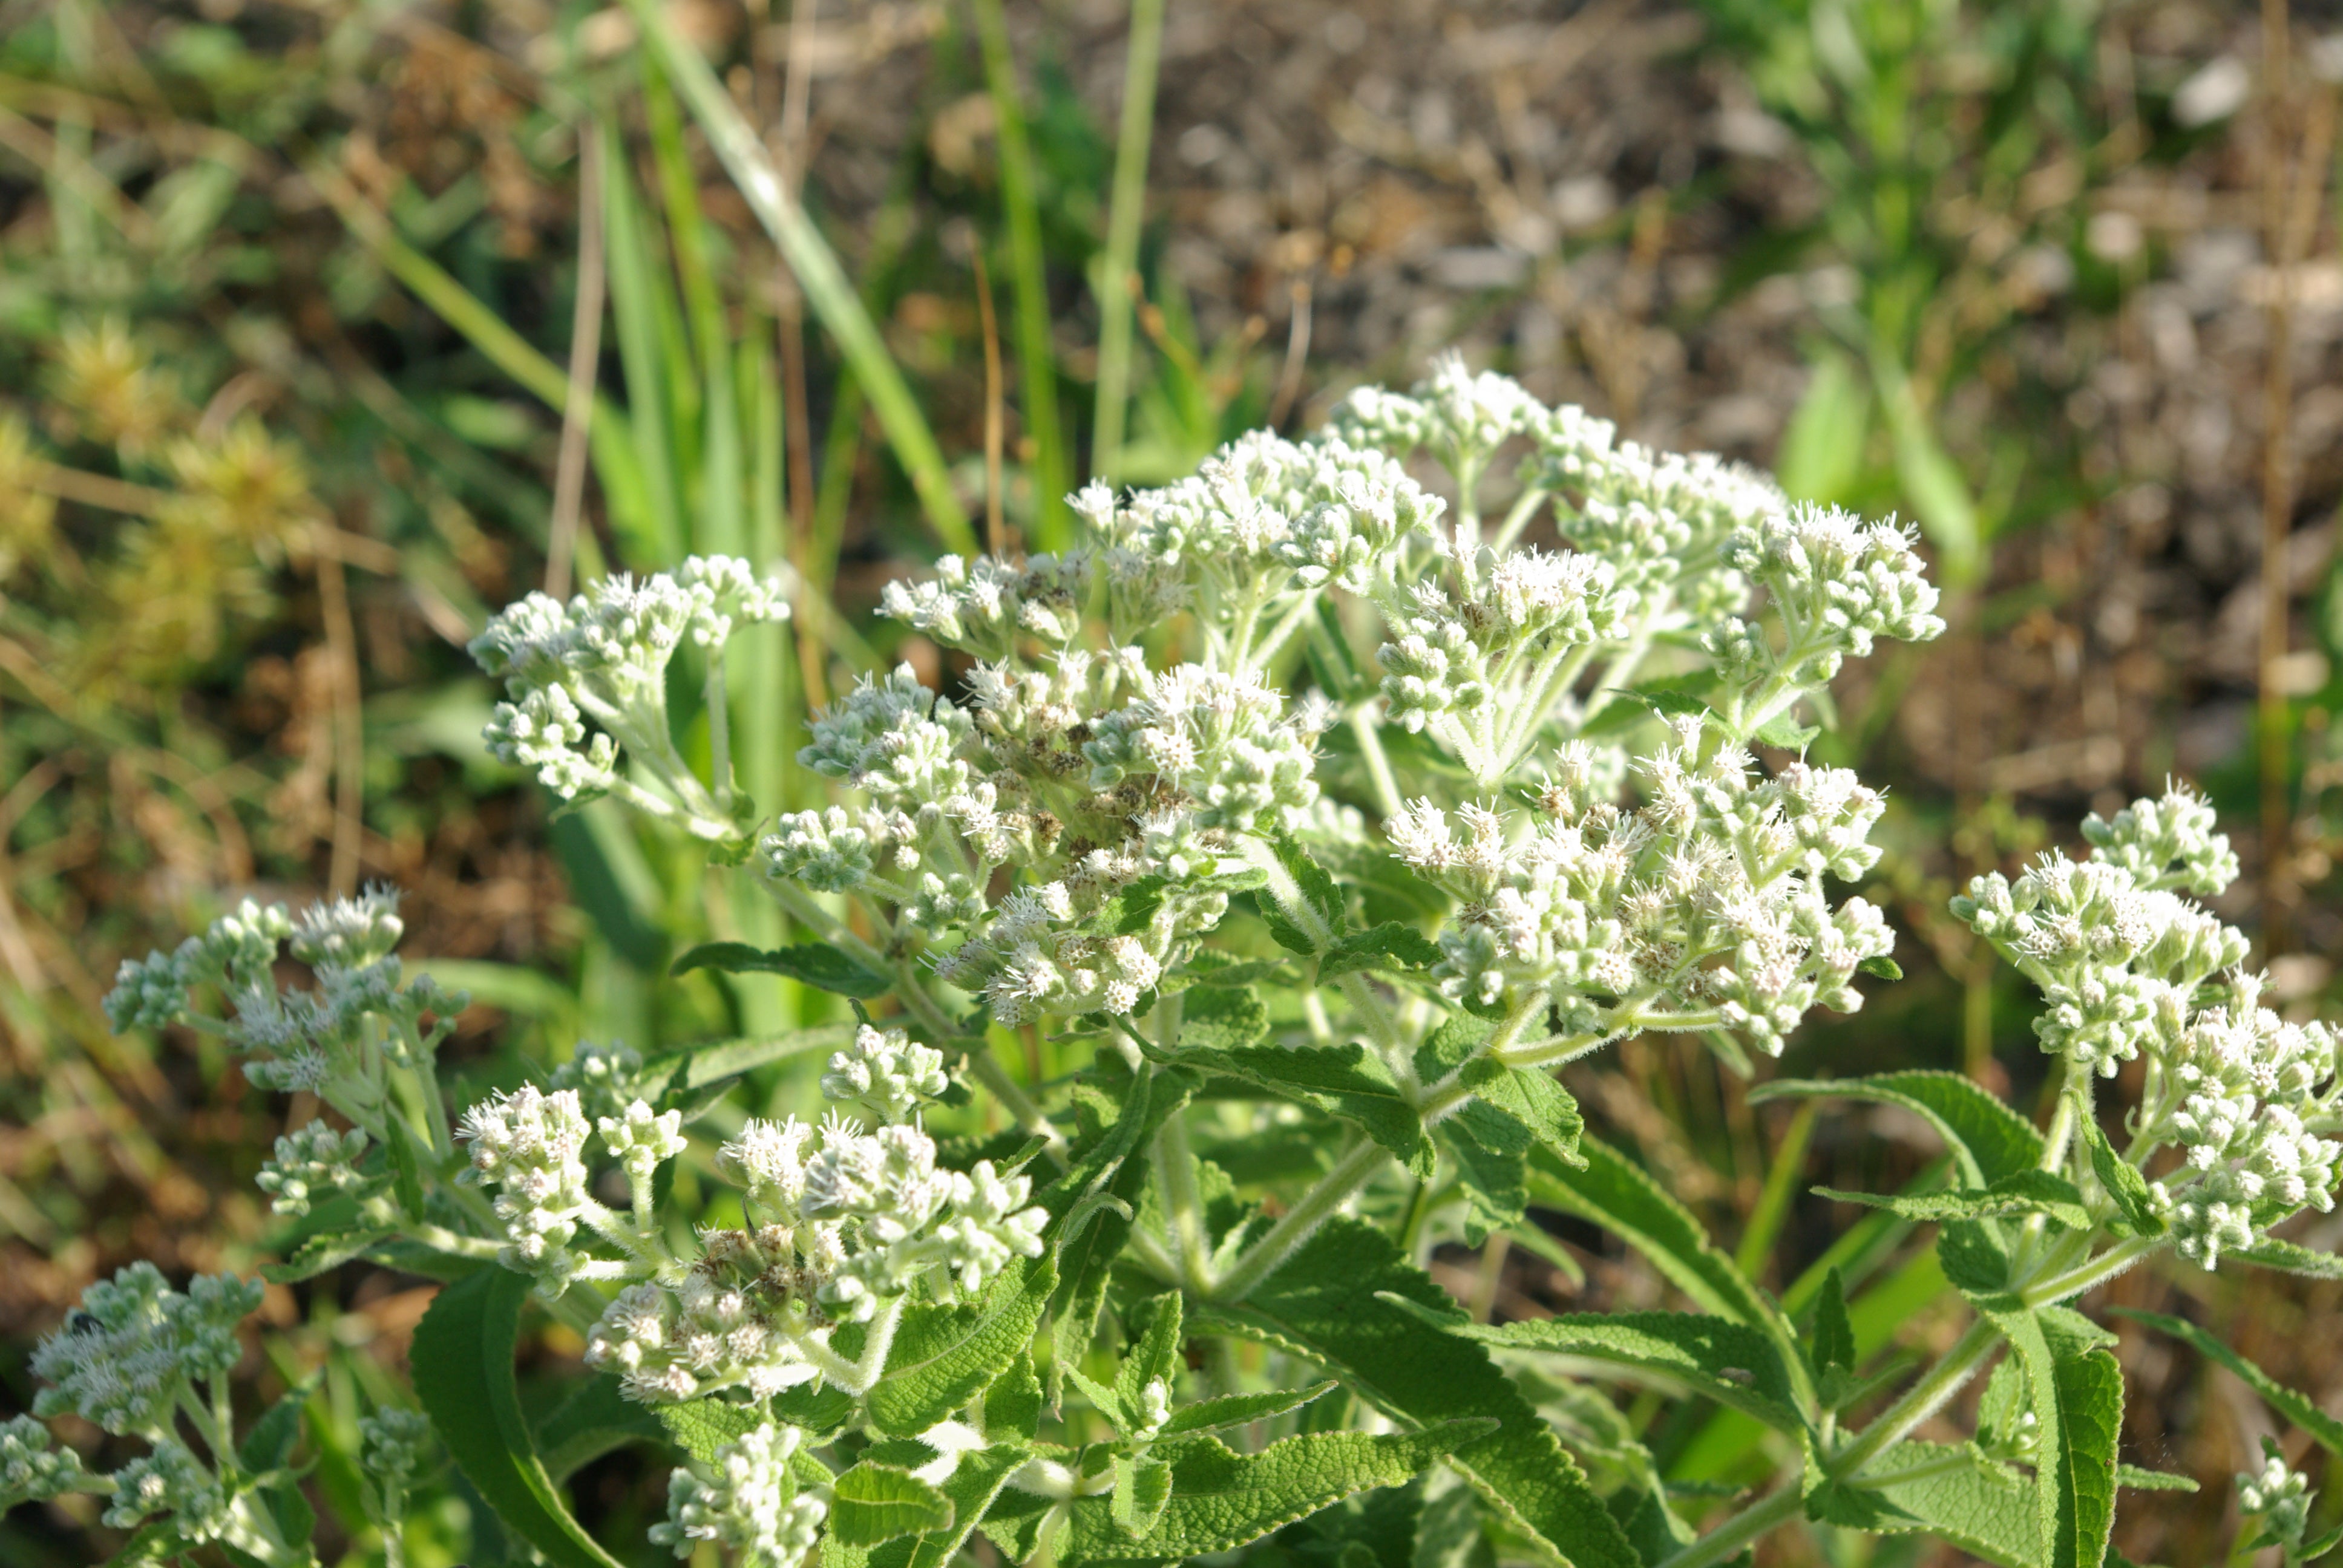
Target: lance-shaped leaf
2122, 1179
1389, 946
1322, 1305
1988, 1139
1154, 1359
2075, 1390
1091, 1205
816, 964
1237, 1409
1954, 1494
1730, 1362
589, 1423
1142, 1489
1491, 1150
326, 1251
973, 1486
944, 1355
2020, 1192
2297, 1407
1345, 1080
462, 1363
1220, 1499
704, 1066
2272, 1253
871, 1503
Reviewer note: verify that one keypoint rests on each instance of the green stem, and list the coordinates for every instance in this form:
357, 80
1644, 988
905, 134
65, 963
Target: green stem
1726, 1542
1183, 1205
1921, 1401
1334, 1190
1126, 210
1364, 725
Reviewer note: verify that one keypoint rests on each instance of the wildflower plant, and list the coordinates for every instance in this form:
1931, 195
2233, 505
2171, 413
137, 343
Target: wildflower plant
1311, 819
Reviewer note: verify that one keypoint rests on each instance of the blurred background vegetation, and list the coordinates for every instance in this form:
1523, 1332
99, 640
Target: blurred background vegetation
329, 326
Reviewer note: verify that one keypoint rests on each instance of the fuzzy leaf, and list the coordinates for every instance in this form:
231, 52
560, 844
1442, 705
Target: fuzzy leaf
2132, 1478
406, 1166
589, 1423
270, 1441
1223, 1019
701, 1426
1731, 1362
871, 1503
1220, 1499
1237, 1409
1534, 1099
325, 1251
1143, 1487
816, 964
1988, 1138
942, 1356
1959, 1496
2075, 1389
462, 1363
1619, 1196
1491, 1151
2022, 1192
2272, 1253
1389, 946
1345, 1080
1833, 1337
1156, 1355
1784, 733
1322, 1305
2295, 1407
702, 1066
2122, 1179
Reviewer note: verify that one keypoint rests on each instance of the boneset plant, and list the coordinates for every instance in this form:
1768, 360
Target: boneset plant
1287, 833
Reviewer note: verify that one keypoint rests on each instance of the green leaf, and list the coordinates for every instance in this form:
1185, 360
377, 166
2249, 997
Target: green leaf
1832, 1346
324, 1251
2122, 1179
1619, 1196
701, 1426
2132, 1478
1784, 733
1451, 1046
270, 1441
1879, 966
2022, 1193
1491, 1150
871, 1503
971, 1489
700, 1066
591, 1423
1730, 1362
1389, 946
816, 964
2297, 1407
2272, 1253
1346, 1080
1322, 1305
1317, 886
1155, 1357
1988, 1138
1013, 1403
1534, 1099
1956, 1494
1143, 1487
1091, 1206
462, 1363
1220, 1500
406, 1163
1224, 1020
2075, 1389
1237, 1409
944, 1355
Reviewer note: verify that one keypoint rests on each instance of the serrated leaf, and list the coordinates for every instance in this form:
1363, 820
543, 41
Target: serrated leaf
816, 964
1955, 1494
2132, 1478
1142, 1489
2075, 1390
2021, 1192
270, 1441
942, 1356
1220, 1499
462, 1365
1321, 1306
1988, 1139
1318, 886
975, 1482
1091, 1206
701, 1426
1345, 1080
1155, 1356
407, 1165
1833, 1333
322, 1252
1730, 1362
703, 1066
871, 1504
1237, 1409
1451, 1046
1389, 946
2324, 1429
2122, 1179
1975, 1260
1013, 1403
1534, 1099
2272, 1253
1784, 733
1491, 1150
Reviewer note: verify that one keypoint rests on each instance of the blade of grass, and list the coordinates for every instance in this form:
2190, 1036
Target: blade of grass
585, 354
635, 287
1036, 361
995, 527
1126, 211
816, 266
1773, 1200
719, 524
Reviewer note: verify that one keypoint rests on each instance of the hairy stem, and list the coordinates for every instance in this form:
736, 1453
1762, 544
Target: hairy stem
1316, 1206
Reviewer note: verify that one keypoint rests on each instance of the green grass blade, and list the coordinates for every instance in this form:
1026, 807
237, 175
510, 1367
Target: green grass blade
632, 303
1053, 522
1126, 213
833, 300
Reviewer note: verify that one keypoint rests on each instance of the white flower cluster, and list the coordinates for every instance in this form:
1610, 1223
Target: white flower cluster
853, 1221
1462, 417
311, 1163
607, 1077
588, 680
1702, 907
169, 1480
123, 1360
986, 605
33, 1469
2277, 1498
330, 1039
530, 1146
2130, 967
752, 1505
1836, 582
